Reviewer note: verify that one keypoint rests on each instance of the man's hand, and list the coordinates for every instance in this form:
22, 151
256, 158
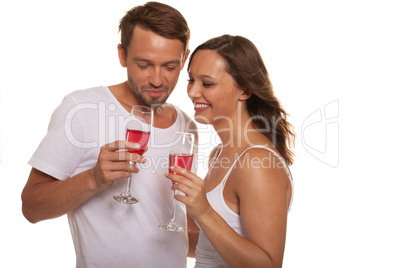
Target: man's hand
114, 162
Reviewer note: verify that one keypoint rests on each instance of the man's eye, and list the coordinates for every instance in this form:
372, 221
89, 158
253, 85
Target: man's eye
170, 68
143, 65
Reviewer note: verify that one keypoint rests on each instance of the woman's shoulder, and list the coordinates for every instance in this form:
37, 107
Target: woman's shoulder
260, 164
262, 173
215, 150
262, 151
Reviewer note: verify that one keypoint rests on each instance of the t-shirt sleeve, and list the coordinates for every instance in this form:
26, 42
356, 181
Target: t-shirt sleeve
59, 153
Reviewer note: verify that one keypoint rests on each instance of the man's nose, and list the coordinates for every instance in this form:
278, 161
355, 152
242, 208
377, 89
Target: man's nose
156, 78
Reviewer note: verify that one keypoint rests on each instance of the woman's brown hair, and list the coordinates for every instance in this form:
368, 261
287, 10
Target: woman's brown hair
245, 65
157, 17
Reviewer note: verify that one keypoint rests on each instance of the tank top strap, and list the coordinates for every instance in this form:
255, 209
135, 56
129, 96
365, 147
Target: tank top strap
223, 182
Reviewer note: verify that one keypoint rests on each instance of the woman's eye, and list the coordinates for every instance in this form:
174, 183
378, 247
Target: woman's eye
190, 81
207, 85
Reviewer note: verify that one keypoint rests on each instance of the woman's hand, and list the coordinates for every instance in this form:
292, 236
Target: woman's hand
194, 189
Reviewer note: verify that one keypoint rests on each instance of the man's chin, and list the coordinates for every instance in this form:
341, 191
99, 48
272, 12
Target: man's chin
154, 102
156, 105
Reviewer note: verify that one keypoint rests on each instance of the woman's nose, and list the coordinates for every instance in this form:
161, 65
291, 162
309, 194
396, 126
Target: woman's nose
193, 91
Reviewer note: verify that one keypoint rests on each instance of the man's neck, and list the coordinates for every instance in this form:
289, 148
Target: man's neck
164, 116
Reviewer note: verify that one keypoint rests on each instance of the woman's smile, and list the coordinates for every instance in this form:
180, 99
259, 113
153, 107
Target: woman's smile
199, 107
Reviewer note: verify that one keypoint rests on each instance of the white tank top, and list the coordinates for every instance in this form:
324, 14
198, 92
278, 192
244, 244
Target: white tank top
206, 255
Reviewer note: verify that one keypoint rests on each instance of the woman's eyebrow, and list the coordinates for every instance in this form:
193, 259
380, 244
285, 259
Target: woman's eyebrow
203, 76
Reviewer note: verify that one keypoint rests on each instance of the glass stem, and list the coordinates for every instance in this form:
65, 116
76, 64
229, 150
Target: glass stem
174, 208
127, 191
128, 187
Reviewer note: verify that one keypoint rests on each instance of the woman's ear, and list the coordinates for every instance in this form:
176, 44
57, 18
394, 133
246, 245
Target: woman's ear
246, 94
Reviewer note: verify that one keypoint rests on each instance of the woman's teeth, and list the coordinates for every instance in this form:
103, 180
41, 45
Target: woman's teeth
201, 106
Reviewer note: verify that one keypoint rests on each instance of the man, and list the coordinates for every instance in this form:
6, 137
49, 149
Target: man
82, 160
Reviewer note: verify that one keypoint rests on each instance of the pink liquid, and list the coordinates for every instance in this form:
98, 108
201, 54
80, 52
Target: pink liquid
180, 160
140, 137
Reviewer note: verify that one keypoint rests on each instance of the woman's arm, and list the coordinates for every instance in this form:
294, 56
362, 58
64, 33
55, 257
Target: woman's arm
193, 232
263, 195
192, 228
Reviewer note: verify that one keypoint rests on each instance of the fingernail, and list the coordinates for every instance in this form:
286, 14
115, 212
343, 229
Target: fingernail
134, 145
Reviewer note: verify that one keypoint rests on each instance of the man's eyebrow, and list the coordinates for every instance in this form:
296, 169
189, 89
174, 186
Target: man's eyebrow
141, 59
173, 62
137, 59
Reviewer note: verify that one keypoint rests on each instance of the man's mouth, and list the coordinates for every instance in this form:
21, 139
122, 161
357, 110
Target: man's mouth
155, 93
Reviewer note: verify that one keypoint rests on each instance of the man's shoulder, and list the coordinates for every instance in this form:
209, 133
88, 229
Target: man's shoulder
80, 99
90, 94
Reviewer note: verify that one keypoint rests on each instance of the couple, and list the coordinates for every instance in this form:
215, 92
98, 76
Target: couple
236, 216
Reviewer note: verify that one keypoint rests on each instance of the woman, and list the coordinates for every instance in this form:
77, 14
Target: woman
241, 206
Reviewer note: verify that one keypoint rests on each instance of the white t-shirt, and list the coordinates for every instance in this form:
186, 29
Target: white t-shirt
107, 233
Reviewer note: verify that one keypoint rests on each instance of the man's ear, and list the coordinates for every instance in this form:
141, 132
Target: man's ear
247, 93
122, 56
184, 59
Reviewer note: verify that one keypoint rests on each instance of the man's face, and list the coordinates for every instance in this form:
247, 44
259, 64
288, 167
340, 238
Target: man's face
153, 65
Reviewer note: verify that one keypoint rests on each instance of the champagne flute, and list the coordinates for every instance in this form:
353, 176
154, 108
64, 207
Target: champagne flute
180, 156
138, 130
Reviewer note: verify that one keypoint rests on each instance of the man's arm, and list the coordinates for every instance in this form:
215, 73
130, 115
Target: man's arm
45, 197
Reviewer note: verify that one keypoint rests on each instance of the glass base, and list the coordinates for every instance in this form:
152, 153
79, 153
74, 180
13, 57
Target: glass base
125, 199
172, 226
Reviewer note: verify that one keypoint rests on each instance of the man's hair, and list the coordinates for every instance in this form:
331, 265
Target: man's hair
158, 18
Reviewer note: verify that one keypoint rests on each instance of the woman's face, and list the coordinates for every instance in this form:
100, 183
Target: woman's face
213, 91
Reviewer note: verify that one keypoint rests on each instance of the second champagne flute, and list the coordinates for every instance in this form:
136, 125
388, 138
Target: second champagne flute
180, 156
138, 131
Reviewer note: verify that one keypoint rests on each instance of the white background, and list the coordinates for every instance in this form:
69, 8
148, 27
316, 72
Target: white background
335, 65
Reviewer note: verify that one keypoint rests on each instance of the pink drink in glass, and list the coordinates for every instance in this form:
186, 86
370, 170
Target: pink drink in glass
180, 160
140, 137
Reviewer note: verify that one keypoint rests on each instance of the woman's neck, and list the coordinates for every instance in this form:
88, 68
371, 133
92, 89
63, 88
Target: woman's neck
235, 131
